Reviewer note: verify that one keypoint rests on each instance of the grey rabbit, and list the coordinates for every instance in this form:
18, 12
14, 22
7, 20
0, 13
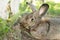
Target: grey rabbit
34, 21
39, 26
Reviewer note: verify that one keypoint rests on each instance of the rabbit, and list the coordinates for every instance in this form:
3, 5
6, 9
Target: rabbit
42, 27
35, 23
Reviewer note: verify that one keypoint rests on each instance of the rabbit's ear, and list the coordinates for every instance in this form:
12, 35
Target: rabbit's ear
31, 6
43, 9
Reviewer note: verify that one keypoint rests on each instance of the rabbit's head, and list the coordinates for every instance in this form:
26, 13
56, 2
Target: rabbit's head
36, 15
34, 19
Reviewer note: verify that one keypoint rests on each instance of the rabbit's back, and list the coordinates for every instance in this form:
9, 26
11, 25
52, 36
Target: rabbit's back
54, 32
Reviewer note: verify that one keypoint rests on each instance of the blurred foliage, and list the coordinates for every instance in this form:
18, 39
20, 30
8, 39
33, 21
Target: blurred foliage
3, 27
24, 7
54, 8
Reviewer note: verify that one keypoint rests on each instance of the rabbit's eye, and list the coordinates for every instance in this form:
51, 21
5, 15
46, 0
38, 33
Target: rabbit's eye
32, 19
